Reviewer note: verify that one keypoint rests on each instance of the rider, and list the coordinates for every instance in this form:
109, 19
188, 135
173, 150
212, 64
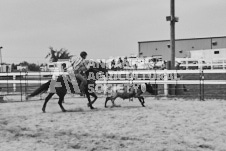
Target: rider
79, 66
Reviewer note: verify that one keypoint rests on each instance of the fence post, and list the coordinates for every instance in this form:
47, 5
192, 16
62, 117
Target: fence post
165, 81
200, 87
211, 65
25, 82
7, 83
40, 81
14, 84
21, 88
105, 84
187, 64
171, 87
201, 65
155, 86
203, 86
201, 91
224, 64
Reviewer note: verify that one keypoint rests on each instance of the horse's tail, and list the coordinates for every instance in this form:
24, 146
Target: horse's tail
43, 88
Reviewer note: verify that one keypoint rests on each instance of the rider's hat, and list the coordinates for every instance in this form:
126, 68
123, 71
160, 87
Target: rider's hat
83, 54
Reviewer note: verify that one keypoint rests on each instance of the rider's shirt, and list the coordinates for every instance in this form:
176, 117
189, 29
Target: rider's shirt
78, 64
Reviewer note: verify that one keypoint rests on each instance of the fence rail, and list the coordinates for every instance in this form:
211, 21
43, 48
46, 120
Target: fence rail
214, 64
164, 80
126, 81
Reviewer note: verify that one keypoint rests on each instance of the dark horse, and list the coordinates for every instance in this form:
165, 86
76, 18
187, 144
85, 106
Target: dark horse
62, 90
133, 93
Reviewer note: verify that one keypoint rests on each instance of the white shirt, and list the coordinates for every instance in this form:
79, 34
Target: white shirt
79, 64
76, 62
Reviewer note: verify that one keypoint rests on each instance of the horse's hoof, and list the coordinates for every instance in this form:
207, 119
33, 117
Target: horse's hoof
88, 104
43, 111
92, 108
64, 110
117, 105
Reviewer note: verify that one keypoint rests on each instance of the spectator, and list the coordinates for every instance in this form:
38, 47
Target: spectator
178, 65
64, 69
119, 64
113, 64
164, 65
126, 62
150, 64
135, 66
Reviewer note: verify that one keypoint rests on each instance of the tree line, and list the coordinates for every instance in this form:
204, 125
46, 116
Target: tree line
54, 55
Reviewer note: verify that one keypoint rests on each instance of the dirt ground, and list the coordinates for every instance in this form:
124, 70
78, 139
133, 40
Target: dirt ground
164, 124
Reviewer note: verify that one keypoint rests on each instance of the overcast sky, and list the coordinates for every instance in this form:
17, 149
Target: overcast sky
103, 28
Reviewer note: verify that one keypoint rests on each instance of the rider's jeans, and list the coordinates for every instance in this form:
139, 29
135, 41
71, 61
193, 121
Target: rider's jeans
83, 82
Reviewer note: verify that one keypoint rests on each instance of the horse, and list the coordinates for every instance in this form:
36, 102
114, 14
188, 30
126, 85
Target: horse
61, 91
126, 93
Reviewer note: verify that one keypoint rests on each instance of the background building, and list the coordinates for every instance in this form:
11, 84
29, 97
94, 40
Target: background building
5, 68
161, 48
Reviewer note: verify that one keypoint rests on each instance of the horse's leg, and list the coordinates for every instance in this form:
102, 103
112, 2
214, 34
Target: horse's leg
113, 102
107, 98
46, 101
113, 98
141, 99
89, 103
95, 97
61, 98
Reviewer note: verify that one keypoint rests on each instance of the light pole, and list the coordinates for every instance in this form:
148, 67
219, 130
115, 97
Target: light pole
172, 20
1, 58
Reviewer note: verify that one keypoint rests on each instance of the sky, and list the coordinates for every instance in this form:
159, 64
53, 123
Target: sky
102, 28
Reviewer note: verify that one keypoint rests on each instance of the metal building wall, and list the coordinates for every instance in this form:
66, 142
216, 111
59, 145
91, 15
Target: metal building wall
221, 42
149, 49
153, 48
191, 44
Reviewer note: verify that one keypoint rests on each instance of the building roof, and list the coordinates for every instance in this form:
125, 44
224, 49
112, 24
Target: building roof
182, 39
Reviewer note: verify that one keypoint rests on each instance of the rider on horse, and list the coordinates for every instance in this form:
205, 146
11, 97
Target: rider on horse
79, 67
